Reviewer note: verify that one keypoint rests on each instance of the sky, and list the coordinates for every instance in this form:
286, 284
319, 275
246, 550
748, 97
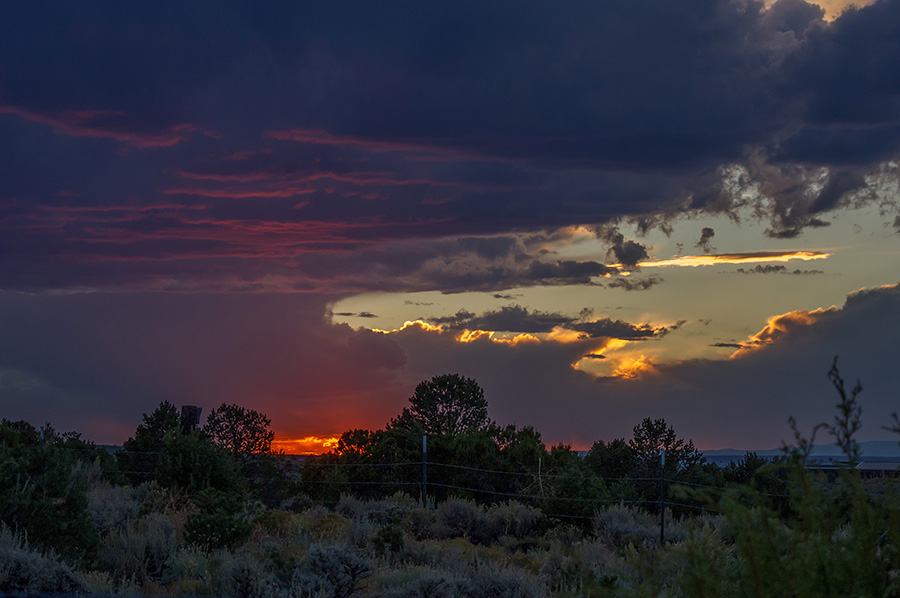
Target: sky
601, 212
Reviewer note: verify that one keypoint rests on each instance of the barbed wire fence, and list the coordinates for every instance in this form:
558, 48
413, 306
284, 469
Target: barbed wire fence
481, 483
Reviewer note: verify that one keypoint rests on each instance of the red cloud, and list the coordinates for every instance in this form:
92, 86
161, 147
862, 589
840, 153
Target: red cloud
105, 124
319, 137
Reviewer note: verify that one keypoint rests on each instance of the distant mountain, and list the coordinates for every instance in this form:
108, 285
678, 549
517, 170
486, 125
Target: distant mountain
873, 448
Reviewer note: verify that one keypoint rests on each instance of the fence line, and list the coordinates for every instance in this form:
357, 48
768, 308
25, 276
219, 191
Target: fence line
323, 464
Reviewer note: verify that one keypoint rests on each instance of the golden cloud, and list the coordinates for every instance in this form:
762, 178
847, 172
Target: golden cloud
308, 445
734, 258
779, 326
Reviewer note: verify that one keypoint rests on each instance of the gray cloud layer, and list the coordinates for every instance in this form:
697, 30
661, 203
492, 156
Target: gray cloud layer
250, 148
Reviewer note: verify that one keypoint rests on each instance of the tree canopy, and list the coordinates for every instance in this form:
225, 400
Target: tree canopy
446, 405
140, 454
240, 430
654, 435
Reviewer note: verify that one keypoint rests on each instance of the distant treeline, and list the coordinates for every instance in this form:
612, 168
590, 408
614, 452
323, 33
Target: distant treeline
214, 488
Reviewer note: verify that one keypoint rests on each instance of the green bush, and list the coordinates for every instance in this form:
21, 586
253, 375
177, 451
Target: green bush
388, 541
43, 489
220, 522
830, 538
193, 463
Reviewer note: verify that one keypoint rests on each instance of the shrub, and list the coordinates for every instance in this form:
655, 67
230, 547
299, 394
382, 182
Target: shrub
243, 576
191, 462
324, 525
42, 491
513, 519
334, 571
381, 512
358, 532
419, 582
388, 541
487, 581
458, 517
25, 570
620, 524
220, 523
141, 550
349, 507
419, 522
112, 507
831, 539
275, 522
574, 493
491, 581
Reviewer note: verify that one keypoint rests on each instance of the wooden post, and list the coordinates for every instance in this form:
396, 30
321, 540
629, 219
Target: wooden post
540, 479
662, 497
424, 471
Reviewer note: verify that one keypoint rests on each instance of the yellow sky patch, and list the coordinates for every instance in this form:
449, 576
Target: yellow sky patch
411, 324
733, 258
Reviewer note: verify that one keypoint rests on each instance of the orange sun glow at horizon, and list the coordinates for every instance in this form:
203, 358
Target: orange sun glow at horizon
307, 445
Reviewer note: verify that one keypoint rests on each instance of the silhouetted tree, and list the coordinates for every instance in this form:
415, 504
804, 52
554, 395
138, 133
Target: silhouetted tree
613, 459
572, 491
445, 405
140, 453
651, 437
240, 430
194, 463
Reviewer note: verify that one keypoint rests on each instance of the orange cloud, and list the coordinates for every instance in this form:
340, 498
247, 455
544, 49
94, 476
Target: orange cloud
734, 258
777, 327
309, 445
633, 367
468, 336
425, 326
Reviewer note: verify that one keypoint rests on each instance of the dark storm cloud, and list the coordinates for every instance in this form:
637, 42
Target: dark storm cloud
842, 94
567, 271
776, 269
705, 242
507, 319
627, 252
729, 345
520, 319
609, 328
628, 284
277, 136
451, 266
362, 314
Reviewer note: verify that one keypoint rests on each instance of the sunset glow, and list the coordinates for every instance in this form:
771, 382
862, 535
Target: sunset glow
780, 326
307, 210
309, 445
633, 368
733, 258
